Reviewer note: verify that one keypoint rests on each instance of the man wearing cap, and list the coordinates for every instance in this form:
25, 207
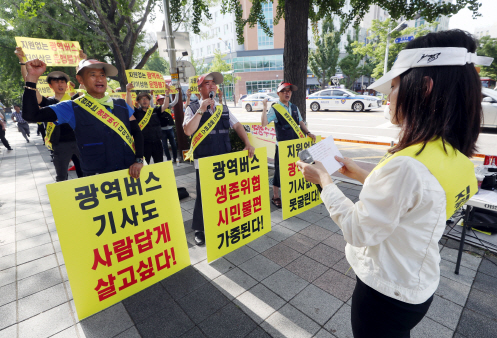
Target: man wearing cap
284, 130
167, 131
22, 124
103, 127
217, 141
149, 120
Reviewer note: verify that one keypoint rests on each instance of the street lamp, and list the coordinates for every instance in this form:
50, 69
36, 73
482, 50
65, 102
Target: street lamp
232, 74
400, 27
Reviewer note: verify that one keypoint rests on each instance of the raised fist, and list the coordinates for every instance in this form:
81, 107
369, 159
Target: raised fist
35, 69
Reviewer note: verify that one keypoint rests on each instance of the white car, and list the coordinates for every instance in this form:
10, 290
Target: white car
254, 101
341, 99
489, 107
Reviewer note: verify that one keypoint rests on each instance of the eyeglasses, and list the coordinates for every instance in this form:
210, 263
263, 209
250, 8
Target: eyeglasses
285, 91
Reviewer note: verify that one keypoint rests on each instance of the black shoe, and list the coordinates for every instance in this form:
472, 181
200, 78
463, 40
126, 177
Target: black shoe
27, 140
10, 149
199, 237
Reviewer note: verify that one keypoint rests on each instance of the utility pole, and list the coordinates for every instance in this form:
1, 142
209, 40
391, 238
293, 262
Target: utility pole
179, 114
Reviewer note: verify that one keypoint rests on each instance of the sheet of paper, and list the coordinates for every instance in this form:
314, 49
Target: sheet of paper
486, 196
325, 152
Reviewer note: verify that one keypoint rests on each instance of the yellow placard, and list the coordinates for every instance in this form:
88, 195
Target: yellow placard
57, 53
146, 80
260, 136
297, 195
43, 87
235, 200
193, 84
122, 95
118, 235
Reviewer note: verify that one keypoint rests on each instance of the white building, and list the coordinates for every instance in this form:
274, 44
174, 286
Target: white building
482, 31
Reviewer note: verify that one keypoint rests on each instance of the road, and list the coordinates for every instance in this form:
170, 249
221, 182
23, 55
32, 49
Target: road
364, 126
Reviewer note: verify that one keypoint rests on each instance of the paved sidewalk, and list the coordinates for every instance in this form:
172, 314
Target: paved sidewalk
293, 282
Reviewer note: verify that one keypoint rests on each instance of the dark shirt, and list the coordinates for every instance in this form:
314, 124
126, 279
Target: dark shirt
152, 131
62, 132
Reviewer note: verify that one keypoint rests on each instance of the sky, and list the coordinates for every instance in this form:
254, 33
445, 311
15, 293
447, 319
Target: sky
463, 19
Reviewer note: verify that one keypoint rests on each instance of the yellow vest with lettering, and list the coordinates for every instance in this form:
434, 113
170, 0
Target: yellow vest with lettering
452, 169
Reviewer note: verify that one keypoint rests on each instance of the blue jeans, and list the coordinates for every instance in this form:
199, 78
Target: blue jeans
168, 134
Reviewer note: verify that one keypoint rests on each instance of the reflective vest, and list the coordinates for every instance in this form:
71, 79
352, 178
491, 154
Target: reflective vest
452, 169
218, 140
102, 149
284, 130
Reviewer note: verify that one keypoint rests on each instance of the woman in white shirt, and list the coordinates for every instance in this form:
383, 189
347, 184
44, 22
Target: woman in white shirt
392, 232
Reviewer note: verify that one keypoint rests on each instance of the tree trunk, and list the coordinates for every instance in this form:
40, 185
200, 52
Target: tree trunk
296, 51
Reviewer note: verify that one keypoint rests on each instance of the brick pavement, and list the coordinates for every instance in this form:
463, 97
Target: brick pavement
292, 282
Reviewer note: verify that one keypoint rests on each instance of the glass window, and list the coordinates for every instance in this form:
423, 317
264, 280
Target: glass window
264, 41
325, 93
338, 93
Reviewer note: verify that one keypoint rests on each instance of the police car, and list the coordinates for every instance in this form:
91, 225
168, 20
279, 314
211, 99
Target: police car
341, 99
254, 101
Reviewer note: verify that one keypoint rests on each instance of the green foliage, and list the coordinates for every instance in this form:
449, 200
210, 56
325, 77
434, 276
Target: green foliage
220, 65
488, 47
375, 49
323, 61
157, 63
200, 66
350, 64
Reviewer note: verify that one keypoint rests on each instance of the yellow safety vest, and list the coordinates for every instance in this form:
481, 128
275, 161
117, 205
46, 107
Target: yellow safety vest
146, 119
453, 170
283, 112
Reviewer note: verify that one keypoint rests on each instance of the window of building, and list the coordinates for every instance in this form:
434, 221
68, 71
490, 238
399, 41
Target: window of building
264, 41
258, 63
208, 50
256, 86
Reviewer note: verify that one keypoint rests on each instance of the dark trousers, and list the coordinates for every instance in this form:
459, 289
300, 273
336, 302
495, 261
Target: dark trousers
276, 177
153, 150
3, 139
24, 129
198, 216
168, 134
375, 315
41, 130
63, 152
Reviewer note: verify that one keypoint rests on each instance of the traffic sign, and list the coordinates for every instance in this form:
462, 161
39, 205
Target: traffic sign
404, 39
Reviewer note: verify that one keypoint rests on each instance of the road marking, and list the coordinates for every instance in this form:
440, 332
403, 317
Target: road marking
385, 125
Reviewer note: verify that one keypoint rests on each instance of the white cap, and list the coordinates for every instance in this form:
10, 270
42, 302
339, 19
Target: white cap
427, 57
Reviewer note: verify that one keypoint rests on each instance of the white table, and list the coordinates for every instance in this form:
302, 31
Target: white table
470, 204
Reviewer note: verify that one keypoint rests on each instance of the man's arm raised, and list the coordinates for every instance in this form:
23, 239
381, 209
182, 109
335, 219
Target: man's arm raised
31, 111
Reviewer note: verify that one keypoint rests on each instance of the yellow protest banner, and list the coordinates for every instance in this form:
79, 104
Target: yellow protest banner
193, 84
118, 235
235, 200
260, 136
122, 95
43, 87
146, 80
57, 53
297, 195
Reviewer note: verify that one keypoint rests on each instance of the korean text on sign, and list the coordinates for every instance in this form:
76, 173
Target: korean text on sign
297, 195
192, 84
43, 87
53, 52
260, 136
118, 235
235, 200
146, 80
122, 95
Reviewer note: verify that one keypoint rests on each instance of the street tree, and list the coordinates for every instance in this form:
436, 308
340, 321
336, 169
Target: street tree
297, 13
117, 24
220, 65
324, 59
377, 37
488, 47
157, 63
350, 63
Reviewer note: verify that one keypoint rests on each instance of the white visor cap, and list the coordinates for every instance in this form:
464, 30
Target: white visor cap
427, 57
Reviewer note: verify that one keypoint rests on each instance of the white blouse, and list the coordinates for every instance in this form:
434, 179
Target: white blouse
393, 231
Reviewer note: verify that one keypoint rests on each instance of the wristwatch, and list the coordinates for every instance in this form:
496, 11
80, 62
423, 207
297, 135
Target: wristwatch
199, 112
139, 160
308, 133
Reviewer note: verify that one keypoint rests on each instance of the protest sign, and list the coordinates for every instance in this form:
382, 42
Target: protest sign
235, 200
146, 80
260, 136
53, 52
118, 235
297, 195
122, 95
193, 84
43, 87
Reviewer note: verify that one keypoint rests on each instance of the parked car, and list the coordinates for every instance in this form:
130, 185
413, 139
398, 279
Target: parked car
340, 99
254, 101
489, 107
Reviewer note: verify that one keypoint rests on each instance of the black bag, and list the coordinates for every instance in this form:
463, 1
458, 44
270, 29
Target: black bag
484, 220
182, 193
489, 182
